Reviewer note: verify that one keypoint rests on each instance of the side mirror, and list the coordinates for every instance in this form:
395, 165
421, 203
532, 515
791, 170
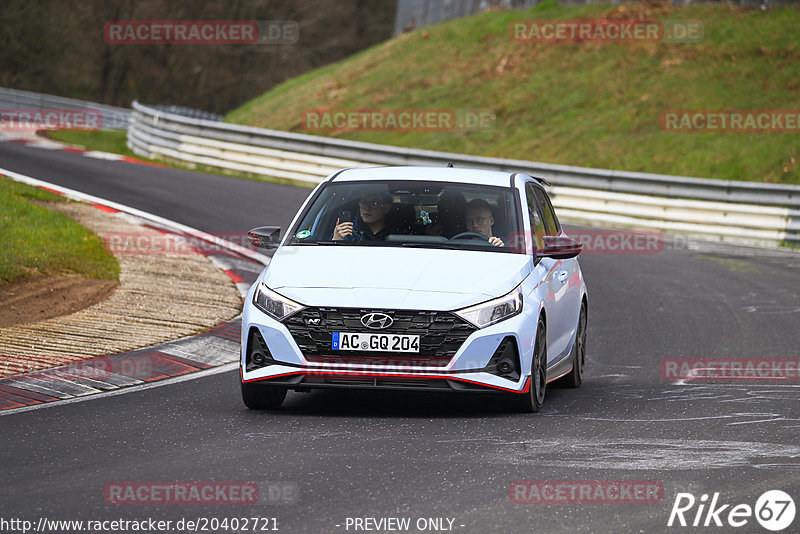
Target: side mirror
559, 247
265, 236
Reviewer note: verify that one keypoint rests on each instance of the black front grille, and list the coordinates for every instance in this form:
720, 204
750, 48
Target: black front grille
441, 333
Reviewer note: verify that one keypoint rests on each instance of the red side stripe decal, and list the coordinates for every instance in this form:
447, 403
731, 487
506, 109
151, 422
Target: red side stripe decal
369, 375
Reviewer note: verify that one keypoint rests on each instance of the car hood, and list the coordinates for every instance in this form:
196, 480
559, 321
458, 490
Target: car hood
384, 277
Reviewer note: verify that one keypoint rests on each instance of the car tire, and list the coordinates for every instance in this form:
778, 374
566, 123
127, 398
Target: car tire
532, 401
260, 397
575, 377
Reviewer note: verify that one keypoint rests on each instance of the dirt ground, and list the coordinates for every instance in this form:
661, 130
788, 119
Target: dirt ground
51, 321
36, 298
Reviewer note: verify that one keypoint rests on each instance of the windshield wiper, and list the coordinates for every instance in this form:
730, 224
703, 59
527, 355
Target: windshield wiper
412, 244
329, 242
419, 244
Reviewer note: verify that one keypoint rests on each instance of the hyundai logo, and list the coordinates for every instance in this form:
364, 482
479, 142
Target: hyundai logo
376, 320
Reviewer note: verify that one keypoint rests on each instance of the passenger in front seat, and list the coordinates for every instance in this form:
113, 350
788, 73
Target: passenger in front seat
371, 221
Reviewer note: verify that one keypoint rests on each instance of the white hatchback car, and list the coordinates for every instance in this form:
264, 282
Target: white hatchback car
417, 278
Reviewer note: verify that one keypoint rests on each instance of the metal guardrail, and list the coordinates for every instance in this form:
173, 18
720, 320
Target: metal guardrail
726, 210
113, 118
193, 113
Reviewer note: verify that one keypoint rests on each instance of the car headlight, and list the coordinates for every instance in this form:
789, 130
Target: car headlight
493, 311
273, 304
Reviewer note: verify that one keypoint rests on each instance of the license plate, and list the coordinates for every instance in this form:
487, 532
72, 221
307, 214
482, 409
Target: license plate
374, 342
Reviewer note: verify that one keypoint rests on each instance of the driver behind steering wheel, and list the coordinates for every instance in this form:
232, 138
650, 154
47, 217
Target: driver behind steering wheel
479, 219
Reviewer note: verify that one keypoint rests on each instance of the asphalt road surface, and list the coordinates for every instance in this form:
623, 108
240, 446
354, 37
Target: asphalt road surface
329, 457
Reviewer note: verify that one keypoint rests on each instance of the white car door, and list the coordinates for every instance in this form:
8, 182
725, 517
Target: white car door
566, 285
549, 288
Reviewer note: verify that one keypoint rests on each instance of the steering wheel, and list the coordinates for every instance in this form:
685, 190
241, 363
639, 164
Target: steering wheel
470, 235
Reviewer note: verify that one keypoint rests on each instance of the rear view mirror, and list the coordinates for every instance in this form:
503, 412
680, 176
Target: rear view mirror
265, 236
559, 247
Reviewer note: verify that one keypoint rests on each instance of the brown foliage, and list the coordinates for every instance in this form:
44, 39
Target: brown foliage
58, 47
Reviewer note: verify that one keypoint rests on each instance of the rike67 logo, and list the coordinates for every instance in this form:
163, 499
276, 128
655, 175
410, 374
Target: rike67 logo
774, 510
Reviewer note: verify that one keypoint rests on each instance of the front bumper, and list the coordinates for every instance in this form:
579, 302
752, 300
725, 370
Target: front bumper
303, 379
458, 364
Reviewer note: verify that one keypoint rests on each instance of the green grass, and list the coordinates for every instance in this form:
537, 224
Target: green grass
39, 241
105, 141
588, 104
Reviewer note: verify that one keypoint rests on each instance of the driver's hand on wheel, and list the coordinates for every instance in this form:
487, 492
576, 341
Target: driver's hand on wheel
496, 241
342, 230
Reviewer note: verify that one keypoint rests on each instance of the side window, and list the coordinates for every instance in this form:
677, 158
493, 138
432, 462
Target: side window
550, 221
537, 225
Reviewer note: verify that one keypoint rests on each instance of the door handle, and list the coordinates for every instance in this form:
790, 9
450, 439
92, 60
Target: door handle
562, 276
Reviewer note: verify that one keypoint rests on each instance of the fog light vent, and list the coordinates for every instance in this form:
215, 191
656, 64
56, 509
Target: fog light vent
258, 354
505, 360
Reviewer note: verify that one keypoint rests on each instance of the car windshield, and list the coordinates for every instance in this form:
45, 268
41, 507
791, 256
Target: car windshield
412, 214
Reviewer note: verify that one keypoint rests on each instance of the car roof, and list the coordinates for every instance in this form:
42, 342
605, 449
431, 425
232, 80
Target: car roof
434, 174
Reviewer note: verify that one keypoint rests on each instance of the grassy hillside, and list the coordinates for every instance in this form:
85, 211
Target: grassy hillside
580, 103
40, 241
